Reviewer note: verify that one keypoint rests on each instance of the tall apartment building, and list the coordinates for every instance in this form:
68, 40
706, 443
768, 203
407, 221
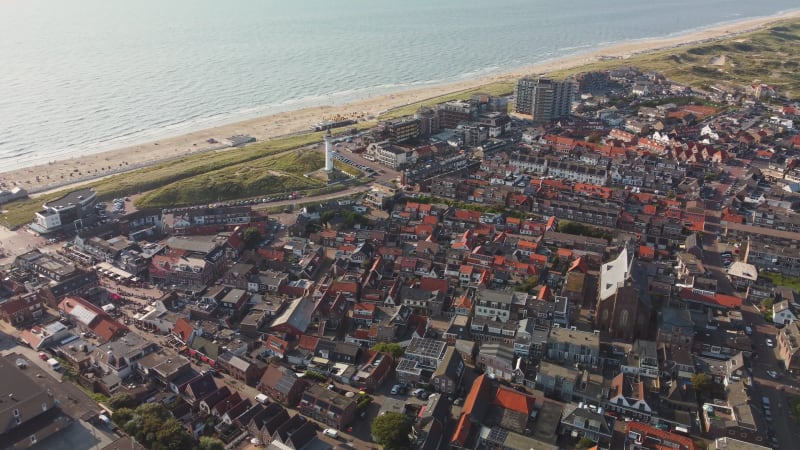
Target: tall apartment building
543, 98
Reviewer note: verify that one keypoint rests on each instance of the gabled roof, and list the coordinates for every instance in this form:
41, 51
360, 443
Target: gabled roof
433, 284
513, 400
718, 300
307, 342
578, 264
183, 328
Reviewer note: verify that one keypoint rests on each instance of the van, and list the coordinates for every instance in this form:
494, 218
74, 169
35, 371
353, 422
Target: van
263, 399
54, 364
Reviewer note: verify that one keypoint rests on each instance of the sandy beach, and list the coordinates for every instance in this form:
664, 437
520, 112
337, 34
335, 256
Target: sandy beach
89, 167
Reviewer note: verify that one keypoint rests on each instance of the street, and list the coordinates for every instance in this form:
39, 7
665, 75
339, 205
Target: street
779, 391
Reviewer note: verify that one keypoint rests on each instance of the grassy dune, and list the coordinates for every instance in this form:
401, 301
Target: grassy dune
769, 56
264, 176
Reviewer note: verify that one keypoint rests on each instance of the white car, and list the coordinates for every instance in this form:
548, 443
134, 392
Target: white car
773, 374
770, 343
331, 433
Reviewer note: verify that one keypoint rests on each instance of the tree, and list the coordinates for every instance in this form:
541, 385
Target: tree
154, 427
585, 442
122, 400
392, 348
391, 431
701, 382
251, 237
210, 443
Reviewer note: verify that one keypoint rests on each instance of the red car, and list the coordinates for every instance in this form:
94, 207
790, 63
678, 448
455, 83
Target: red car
43, 356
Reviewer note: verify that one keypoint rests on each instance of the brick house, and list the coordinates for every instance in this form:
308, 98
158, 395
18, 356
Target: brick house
327, 406
282, 385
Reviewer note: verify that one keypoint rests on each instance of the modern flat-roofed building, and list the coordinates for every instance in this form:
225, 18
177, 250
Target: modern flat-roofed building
544, 99
69, 210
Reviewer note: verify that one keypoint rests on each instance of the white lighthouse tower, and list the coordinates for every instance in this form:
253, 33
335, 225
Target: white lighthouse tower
328, 152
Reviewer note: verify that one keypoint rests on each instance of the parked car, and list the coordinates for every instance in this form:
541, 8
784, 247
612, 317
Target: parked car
331, 433
773, 374
398, 389
770, 342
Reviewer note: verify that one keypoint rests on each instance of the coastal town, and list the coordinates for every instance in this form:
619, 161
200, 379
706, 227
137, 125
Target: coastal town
609, 261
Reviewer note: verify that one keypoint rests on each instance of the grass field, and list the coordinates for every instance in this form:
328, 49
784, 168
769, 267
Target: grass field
781, 280
769, 56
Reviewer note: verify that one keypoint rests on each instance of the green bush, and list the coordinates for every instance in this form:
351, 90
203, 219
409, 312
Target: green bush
312, 375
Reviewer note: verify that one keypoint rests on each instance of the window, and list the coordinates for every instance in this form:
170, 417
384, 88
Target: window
623, 321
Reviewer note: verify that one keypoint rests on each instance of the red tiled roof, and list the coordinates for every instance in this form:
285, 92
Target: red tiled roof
544, 293
726, 301
279, 343
462, 430
666, 440
183, 328
464, 214
538, 259
463, 302
364, 307
564, 253
578, 264
513, 400
107, 328
361, 333
433, 284
647, 252
307, 342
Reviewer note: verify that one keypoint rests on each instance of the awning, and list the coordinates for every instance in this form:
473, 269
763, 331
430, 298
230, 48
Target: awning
192, 352
204, 358
211, 362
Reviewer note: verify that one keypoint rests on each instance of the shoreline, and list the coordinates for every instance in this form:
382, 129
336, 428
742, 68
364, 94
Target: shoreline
83, 169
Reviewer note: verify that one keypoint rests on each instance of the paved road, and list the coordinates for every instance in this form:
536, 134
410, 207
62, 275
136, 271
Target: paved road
780, 391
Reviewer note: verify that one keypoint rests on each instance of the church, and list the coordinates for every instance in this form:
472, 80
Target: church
623, 303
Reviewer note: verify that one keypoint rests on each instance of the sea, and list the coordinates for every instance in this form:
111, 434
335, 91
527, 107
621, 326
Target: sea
85, 76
